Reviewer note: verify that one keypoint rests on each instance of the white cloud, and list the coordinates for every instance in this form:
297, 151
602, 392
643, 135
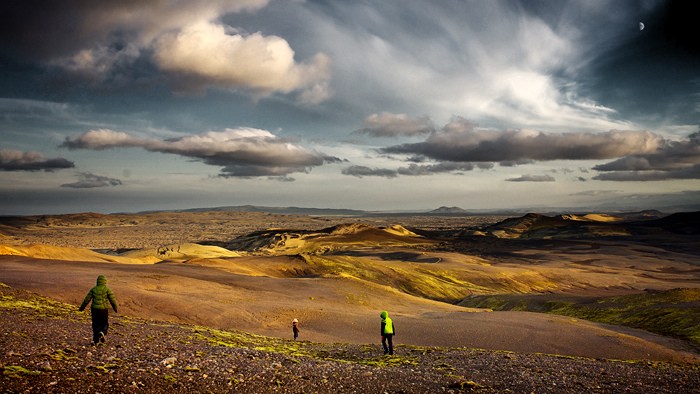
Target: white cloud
243, 152
189, 44
206, 55
102, 139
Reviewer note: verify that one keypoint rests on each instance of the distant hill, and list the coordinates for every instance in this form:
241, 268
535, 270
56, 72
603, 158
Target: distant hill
340, 236
448, 210
533, 225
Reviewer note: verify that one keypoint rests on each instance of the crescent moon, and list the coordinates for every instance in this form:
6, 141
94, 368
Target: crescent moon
641, 26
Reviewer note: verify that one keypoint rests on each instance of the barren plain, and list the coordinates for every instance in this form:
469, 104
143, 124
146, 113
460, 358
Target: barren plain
612, 287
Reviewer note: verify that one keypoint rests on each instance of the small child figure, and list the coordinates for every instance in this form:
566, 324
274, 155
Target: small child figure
295, 328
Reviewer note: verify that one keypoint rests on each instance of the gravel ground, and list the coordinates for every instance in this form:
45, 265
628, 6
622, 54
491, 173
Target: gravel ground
45, 346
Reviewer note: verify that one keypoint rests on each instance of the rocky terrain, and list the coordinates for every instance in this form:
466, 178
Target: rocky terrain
206, 299
46, 348
148, 230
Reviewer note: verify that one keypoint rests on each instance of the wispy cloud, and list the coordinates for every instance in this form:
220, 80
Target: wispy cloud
514, 67
88, 180
363, 171
532, 178
651, 175
599, 193
14, 160
243, 152
414, 169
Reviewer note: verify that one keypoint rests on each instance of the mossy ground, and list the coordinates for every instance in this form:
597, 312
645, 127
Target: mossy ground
41, 353
673, 312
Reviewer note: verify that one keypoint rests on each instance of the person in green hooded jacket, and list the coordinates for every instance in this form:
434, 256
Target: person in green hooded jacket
388, 331
102, 297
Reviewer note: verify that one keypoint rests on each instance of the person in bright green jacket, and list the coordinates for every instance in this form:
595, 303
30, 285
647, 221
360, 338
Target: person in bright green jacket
102, 297
388, 330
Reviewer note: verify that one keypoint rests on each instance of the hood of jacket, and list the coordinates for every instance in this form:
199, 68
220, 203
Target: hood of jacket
384, 314
101, 280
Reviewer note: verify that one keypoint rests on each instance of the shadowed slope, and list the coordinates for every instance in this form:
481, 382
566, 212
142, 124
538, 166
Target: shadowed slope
535, 225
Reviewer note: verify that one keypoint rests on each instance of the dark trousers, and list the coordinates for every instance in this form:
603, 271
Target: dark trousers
100, 323
388, 338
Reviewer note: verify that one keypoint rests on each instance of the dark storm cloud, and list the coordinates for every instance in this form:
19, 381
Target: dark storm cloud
88, 180
14, 160
395, 125
532, 178
462, 141
243, 152
673, 160
45, 30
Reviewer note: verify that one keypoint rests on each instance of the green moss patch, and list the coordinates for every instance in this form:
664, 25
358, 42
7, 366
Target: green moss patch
40, 306
17, 372
673, 313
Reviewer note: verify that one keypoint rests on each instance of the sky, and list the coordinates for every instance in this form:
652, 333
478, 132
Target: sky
392, 105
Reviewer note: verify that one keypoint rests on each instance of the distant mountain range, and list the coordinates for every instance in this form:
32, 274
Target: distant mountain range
441, 211
453, 211
318, 211
281, 210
